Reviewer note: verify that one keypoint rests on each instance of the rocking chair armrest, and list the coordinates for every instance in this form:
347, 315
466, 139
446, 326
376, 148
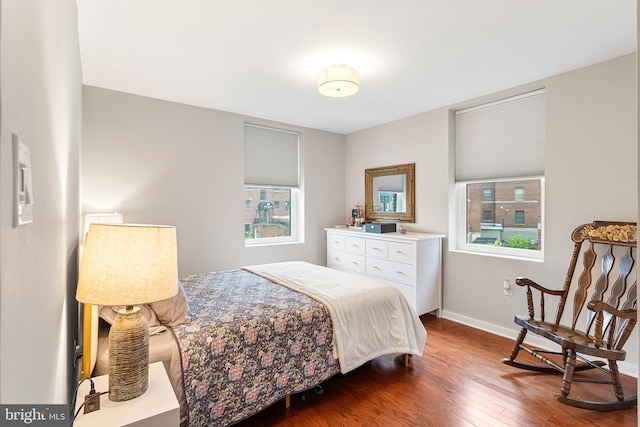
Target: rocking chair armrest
523, 281
598, 306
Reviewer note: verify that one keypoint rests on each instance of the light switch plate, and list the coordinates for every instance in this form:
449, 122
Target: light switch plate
22, 185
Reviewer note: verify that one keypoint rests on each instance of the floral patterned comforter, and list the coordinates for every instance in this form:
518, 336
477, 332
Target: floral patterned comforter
249, 343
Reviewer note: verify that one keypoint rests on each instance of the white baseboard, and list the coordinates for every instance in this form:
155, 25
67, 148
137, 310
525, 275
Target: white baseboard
625, 368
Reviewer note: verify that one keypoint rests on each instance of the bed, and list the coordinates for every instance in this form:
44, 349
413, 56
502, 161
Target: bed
235, 342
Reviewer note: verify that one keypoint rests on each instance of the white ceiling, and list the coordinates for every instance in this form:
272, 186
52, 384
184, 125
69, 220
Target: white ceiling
261, 58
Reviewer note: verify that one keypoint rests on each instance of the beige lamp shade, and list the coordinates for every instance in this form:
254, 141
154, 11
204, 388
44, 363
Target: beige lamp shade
338, 81
127, 264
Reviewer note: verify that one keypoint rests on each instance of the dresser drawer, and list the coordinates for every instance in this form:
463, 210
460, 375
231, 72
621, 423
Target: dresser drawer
409, 292
337, 242
396, 271
355, 245
376, 248
409, 262
402, 252
347, 262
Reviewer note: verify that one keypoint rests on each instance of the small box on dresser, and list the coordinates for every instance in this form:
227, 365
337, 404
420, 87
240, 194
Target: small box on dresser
411, 262
380, 227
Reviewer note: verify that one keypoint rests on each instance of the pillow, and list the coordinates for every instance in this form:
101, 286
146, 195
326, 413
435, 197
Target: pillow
172, 311
102, 350
108, 314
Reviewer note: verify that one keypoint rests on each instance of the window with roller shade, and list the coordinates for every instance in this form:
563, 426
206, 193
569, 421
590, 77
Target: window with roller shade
271, 185
499, 176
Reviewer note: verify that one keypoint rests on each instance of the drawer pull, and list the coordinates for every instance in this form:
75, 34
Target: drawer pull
337, 259
376, 267
400, 252
355, 245
375, 248
355, 262
400, 272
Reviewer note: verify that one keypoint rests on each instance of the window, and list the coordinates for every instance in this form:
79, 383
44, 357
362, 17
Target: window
499, 150
519, 194
271, 185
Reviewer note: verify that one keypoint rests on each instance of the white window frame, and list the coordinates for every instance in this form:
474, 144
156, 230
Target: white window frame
296, 213
487, 132
499, 251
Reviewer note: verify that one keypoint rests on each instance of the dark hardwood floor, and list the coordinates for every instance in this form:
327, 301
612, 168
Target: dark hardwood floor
459, 381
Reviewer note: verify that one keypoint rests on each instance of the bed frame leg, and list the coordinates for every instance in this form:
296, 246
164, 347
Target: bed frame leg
287, 401
406, 359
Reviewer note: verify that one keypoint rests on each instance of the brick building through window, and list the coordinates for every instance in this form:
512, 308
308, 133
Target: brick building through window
500, 211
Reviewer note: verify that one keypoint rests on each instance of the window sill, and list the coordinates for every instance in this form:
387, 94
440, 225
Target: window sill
261, 244
495, 255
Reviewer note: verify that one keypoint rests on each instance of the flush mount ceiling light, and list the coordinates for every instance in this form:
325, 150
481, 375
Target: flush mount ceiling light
338, 81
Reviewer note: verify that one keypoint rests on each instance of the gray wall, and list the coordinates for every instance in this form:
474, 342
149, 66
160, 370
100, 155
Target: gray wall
40, 87
591, 173
162, 162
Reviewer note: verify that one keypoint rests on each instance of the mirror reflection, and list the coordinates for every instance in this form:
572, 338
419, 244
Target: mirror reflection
389, 193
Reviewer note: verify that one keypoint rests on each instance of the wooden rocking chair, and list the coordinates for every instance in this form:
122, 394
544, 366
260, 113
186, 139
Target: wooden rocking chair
610, 313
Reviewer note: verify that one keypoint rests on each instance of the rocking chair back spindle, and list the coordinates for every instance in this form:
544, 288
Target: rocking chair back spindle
605, 298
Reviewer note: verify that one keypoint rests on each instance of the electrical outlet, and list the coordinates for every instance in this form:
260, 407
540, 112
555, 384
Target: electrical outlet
91, 402
507, 287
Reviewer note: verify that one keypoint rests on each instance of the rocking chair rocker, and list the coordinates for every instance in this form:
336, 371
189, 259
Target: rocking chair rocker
610, 313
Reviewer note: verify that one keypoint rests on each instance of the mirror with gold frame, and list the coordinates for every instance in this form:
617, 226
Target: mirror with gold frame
390, 193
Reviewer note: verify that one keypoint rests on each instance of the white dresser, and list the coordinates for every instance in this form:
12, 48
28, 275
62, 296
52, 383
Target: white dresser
411, 262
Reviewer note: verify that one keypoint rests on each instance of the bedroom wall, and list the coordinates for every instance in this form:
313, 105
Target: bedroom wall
591, 173
169, 163
40, 91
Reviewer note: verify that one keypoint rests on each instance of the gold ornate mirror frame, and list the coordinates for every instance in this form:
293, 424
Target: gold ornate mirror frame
372, 213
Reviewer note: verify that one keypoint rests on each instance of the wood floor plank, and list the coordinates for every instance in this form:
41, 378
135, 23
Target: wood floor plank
459, 381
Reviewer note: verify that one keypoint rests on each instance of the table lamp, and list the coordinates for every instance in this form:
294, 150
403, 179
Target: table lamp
127, 265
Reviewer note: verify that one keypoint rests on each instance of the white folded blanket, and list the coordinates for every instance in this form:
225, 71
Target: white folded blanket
370, 318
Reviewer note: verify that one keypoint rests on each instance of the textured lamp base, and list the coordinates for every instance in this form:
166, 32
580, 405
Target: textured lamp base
128, 355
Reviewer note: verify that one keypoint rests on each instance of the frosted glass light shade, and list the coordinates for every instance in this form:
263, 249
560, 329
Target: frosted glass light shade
127, 264
338, 81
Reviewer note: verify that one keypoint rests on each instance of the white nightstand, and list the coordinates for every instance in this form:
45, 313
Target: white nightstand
158, 407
